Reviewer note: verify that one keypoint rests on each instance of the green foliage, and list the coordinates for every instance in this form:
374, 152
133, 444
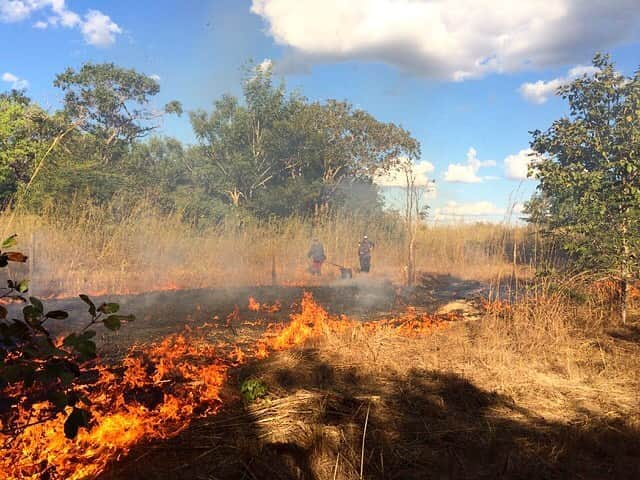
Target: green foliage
111, 103
267, 154
34, 368
24, 133
589, 173
253, 389
274, 147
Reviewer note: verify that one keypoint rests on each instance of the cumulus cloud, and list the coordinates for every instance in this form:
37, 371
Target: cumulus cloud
397, 178
97, 28
155, 77
516, 166
15, 10
448, 39
539, 92
467, 172
16, 82
454, 211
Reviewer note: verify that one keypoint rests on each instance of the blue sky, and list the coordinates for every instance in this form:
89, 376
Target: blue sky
468, 78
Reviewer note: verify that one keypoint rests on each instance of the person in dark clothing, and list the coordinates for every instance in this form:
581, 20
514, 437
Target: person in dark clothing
317, 256
364, 253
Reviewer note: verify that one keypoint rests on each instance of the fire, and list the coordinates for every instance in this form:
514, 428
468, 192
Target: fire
253, 305
496, 306
158, 389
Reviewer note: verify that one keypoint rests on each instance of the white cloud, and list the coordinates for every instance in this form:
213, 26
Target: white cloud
396, 177
454, 211
14, 10
9, 77
450, 39
155, 77
539, 92
97, 28
516, 166
467, 172
16, 82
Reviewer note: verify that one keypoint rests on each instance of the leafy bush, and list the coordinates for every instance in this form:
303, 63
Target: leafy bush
253, 389
40, 376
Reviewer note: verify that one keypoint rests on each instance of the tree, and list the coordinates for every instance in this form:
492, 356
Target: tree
281, 153
589, 173
25, 131
237, 139
111, 103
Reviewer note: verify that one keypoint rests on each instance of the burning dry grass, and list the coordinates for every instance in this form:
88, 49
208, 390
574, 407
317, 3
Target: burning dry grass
529, 391
157, 390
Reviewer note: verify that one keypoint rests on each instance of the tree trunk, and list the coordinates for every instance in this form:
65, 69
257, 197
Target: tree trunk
411, 264
624, 291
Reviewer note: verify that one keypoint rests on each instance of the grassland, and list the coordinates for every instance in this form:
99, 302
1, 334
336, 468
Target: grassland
540, 382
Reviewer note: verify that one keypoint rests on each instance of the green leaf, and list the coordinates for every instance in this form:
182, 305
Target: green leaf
81, 344
57, 315
112, 322
87, 300
10, 241
37, 304
77, 418
109, 308
31, 314
23, 286
18, 373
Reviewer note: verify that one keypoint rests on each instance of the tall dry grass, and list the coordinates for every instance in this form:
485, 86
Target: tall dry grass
131, 248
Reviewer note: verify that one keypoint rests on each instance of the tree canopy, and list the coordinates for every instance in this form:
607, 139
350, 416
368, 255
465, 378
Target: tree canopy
589, 172
268, 153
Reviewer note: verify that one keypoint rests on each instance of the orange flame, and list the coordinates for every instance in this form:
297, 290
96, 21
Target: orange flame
160, 389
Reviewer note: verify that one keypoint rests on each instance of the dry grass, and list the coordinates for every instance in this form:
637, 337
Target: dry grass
126, 249
531, 390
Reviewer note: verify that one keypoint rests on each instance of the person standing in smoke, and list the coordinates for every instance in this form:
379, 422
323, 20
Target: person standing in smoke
364, 253
317, 256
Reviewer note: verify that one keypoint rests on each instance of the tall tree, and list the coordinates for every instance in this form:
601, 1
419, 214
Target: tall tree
589, 173
275, 146
111, 103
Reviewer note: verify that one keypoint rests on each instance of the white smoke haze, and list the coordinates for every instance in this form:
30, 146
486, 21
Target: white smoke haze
396, 177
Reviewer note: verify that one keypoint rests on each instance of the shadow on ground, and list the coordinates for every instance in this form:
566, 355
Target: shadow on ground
420, 425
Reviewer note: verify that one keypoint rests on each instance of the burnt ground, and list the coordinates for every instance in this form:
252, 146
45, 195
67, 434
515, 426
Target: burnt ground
162, 313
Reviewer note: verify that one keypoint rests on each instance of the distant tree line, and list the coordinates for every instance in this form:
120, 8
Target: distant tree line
269, 153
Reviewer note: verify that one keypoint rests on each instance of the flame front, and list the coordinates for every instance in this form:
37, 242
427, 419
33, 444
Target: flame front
159, 389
